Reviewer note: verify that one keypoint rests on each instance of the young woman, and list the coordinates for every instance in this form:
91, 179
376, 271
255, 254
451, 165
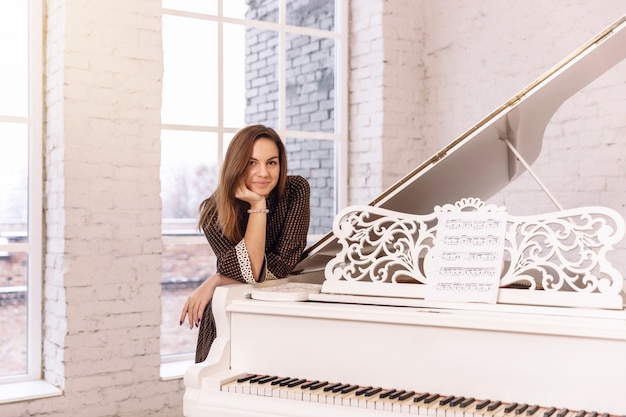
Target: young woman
256, 223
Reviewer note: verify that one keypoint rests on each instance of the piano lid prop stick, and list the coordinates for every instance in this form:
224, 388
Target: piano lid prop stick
530, 171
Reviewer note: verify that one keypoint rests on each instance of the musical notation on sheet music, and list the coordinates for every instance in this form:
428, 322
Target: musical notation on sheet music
468, 253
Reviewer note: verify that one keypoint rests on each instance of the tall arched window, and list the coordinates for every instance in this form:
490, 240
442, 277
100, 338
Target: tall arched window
233, 63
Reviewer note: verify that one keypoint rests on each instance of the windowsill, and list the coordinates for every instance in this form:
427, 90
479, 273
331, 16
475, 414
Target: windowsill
29, 390
32, 390
175, 369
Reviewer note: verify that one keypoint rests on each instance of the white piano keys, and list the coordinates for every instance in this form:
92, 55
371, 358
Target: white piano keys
273, 388
314, 395
387, 401
367, 396
253, 387
444, 405
306, 394
286, 389
464, 406
358, 400
382, 401
371, 397
430, 405
341, 394
264, 388
305, 391
393, 399
412, 406
477, 409
507, 410
349, 396
493, 408
403, 401
294, 390
333, 395
454, 408
228, 381
327, 395
404, 406
532, 411
256, 389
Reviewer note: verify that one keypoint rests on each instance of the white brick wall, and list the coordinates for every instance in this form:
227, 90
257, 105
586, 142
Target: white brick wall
403, 107
366, 101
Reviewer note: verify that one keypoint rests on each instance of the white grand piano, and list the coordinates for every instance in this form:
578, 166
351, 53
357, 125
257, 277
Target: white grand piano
353, 332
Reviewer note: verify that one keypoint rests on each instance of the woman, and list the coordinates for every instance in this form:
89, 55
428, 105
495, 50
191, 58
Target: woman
256, 223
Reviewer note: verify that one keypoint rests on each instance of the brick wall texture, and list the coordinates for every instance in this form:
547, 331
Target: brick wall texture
421, 73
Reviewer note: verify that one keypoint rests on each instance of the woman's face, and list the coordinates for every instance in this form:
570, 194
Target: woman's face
263, 167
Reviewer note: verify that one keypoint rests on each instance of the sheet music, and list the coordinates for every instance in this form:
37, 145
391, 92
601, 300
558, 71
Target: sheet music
468, 253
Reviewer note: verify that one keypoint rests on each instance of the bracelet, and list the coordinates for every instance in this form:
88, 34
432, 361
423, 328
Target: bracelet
258, 211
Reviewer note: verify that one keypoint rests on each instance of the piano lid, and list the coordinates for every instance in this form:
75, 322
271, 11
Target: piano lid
479, 163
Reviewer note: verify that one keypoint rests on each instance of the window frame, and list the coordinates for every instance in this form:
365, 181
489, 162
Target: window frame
340, 134
34, 246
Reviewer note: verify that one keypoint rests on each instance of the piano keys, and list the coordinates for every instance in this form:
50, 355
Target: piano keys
396, 401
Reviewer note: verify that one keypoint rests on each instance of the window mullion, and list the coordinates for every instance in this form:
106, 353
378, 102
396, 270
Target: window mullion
35, 191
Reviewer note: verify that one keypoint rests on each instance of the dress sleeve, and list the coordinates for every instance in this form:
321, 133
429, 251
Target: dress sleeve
232, 259
291, 230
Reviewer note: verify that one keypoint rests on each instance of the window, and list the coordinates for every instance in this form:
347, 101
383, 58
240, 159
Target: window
232, 63
20, 190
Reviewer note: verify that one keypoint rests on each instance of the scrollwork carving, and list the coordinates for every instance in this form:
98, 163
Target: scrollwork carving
554, 253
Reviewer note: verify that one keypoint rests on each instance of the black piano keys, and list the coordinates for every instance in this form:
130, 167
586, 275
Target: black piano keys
332, 392
240, 385
549, 412
403, 402
388, 399
565, 412
487, 408
313, 392
348, 395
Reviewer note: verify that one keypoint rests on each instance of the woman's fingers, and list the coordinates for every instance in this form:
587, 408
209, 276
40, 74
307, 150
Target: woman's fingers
242, 192
197, 302
195, 314
189, 312
192, 311
199, 313
183, 313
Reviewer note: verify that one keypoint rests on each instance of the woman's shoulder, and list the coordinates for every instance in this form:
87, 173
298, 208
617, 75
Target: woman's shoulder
297, 182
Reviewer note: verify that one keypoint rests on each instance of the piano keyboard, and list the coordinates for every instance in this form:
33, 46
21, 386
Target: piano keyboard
390, 400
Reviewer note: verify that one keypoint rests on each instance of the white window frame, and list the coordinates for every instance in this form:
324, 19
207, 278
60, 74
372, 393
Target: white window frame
13, 387
174, 365
35, 190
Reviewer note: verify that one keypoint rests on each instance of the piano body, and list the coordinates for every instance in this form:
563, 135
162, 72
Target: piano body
442, 359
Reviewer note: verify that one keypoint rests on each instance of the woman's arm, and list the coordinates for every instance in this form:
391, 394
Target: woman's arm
288, 228
232, 258
256, 229
200, 297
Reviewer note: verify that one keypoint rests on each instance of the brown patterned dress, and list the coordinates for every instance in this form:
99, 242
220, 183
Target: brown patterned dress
287, 228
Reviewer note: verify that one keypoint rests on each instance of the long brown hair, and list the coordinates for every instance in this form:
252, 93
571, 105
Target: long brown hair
223, 203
